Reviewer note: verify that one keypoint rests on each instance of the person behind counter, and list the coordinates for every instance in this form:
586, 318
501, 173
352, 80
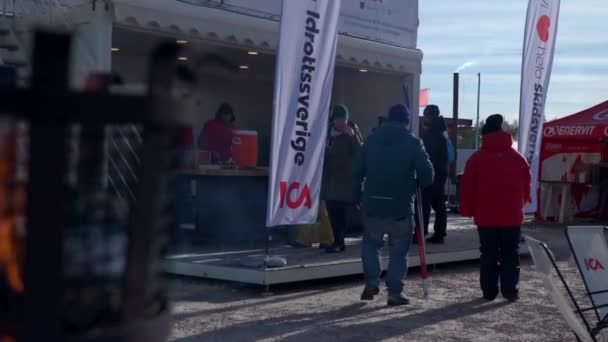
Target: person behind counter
216, 136
343, 145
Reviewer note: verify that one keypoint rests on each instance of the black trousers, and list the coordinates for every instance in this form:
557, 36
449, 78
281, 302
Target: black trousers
499, 260
338, 212
434, 197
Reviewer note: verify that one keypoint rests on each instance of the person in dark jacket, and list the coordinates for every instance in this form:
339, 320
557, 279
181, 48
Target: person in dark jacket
495, 188
391, 165
343, 145
435, 143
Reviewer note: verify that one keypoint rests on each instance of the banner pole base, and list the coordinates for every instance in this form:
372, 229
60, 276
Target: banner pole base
267, 244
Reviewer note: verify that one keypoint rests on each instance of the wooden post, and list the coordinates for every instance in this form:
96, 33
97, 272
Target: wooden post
43, 271
51, 107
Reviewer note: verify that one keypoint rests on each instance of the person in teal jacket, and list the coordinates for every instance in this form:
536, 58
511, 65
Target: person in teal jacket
392, 163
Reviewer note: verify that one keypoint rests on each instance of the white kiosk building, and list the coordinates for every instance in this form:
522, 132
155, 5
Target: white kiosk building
377, 61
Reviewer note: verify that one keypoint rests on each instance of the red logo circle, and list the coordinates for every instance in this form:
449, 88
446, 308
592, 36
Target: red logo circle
542, 27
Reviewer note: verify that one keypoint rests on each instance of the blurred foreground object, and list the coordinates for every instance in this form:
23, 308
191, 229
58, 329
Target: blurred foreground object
77, 262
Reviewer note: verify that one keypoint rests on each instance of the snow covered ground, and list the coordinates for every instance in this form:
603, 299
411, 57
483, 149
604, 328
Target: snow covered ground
330, 310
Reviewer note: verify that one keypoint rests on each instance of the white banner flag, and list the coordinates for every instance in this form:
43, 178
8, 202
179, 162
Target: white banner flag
539, 45
302, 95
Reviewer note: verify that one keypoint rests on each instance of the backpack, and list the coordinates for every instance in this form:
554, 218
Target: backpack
451, 154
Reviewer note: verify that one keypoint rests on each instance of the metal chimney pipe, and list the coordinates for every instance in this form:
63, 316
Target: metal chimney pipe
453, 168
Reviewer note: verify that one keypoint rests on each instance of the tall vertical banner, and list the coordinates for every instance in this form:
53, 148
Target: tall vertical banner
302, 96
537, 61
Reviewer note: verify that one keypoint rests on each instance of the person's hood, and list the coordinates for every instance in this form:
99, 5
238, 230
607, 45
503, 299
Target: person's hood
390, 133
497, 141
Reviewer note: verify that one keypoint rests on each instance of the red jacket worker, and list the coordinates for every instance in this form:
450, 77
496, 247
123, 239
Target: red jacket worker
216, 136
495, 188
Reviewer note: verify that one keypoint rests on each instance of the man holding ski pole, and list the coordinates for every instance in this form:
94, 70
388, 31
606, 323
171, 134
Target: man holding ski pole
392, 163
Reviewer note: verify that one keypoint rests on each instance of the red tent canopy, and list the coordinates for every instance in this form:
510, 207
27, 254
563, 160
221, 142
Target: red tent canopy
589, 125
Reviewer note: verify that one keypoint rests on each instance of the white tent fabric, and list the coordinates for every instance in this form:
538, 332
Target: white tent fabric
591, 253
546, 268
174, 17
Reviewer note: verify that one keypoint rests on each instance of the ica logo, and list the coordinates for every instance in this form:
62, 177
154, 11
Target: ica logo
295, 195
593, 264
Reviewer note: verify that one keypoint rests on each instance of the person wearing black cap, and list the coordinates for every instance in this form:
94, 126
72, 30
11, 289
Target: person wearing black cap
391, 164
494, 190
435, 142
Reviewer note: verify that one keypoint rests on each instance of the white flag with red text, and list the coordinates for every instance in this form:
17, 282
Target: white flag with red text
537, 61
302, 96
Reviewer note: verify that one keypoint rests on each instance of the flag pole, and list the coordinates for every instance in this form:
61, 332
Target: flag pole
419, 229
477, 124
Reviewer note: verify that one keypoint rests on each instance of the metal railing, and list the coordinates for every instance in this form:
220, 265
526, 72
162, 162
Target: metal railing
124, 142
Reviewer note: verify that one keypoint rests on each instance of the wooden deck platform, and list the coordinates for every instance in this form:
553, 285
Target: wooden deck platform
312, 263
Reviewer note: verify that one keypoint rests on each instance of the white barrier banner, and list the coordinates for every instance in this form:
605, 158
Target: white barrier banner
591, 253
545, 267
537, 61
302, 95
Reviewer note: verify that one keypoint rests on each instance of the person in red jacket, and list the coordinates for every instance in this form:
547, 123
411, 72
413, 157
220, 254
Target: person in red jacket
494, 190
217, 134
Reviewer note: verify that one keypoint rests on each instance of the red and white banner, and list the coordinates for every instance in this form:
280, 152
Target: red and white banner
559, 162
537, 61
302, 95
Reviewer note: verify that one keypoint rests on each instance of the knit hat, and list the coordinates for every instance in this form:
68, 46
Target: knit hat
340, 112
399, 113
432, 111
493, 124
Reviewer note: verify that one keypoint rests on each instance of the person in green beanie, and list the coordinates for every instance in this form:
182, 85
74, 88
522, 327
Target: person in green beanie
343, 145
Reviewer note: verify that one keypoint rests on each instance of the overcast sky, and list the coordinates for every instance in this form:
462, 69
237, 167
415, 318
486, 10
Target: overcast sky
488, 36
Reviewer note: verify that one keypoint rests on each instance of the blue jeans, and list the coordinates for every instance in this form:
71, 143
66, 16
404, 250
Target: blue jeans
399, 241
